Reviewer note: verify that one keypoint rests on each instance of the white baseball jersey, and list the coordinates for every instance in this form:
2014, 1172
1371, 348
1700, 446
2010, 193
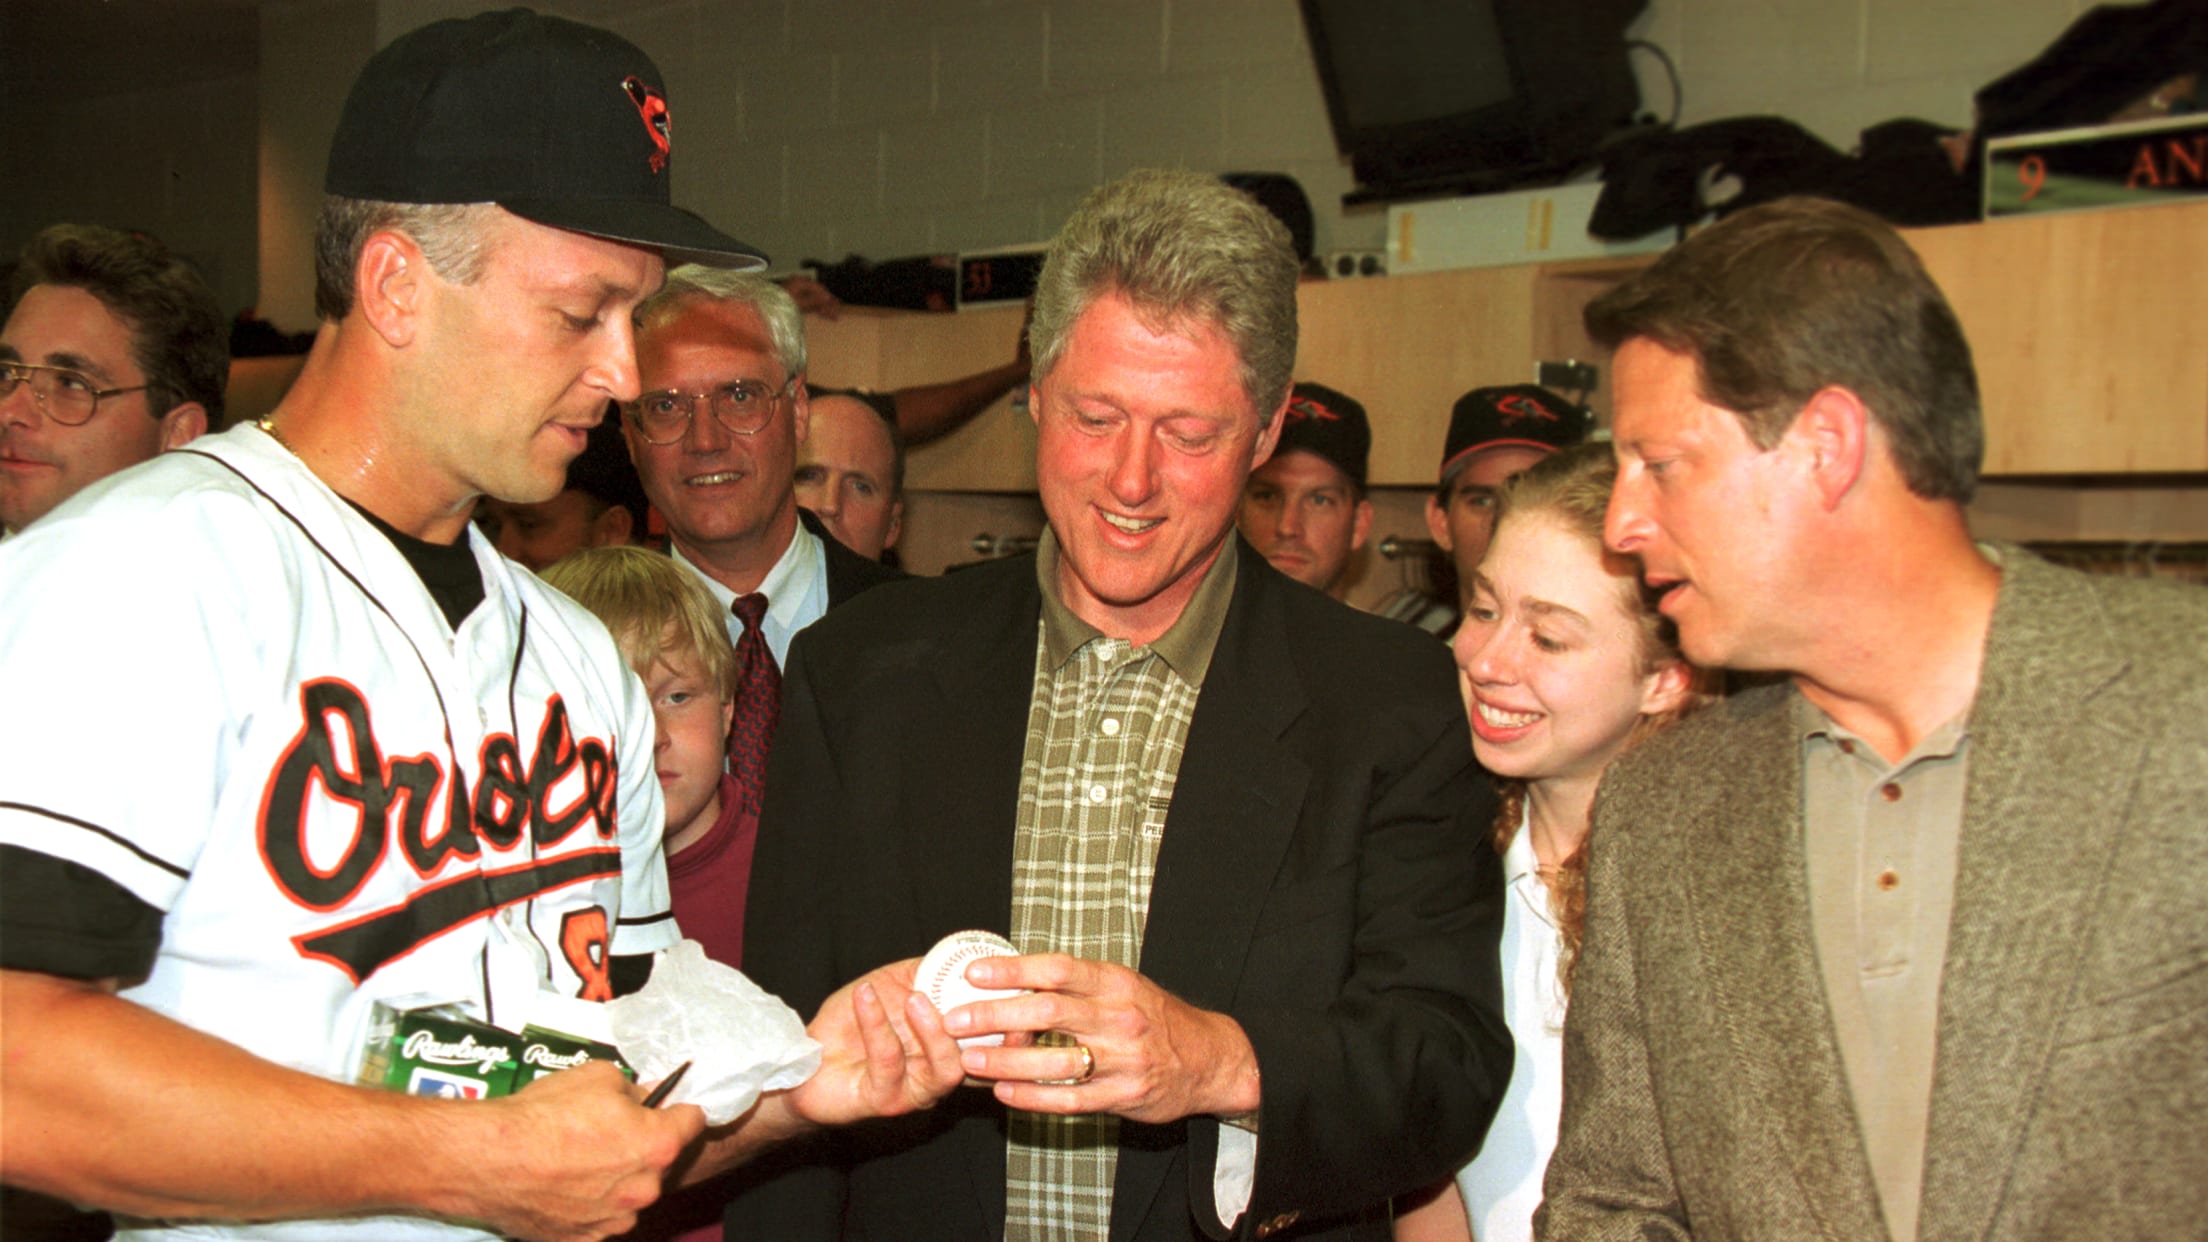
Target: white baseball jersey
232, 695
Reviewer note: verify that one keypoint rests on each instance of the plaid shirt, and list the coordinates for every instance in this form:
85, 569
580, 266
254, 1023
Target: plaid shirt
1105, 728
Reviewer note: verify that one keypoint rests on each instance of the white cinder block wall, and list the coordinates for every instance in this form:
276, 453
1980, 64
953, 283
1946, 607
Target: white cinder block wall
177, 160
895, 127
816, 128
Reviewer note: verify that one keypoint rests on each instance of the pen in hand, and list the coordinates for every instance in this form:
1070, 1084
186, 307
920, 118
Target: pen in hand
659, 1093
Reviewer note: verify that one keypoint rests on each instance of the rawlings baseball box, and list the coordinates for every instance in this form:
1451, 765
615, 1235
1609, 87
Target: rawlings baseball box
439, 1051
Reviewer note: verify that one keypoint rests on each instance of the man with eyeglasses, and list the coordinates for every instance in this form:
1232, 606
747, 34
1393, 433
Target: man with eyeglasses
113, 351
721, 361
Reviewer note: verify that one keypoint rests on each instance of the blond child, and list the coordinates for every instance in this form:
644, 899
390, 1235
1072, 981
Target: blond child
669, 628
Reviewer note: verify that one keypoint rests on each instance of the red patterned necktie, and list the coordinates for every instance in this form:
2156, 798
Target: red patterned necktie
758, 700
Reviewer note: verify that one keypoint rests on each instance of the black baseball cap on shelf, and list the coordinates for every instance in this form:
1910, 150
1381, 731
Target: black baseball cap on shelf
1327, 423
1511, 416
557, 122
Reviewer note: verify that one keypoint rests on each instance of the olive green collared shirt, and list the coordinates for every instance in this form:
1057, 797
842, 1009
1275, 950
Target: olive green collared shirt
1106, 725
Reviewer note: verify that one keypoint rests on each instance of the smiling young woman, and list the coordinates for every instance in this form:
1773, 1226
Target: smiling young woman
1563, 662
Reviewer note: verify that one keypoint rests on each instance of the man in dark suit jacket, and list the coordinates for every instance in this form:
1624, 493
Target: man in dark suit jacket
1911, 944
1277, 1004
848, 573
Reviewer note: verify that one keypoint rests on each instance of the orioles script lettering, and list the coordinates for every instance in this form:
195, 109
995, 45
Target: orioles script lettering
336, 763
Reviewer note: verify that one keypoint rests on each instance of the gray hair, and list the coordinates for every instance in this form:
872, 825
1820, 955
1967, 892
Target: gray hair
694, 282
455, 238
1180, 246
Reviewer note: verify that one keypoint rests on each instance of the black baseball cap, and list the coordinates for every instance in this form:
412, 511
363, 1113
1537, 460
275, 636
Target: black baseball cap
555, 121
1511, 416
1327, 423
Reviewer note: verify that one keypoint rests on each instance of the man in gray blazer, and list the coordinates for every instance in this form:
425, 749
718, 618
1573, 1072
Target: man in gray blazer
1911, 943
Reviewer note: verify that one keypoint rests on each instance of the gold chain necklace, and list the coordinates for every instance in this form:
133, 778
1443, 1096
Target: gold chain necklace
267, 424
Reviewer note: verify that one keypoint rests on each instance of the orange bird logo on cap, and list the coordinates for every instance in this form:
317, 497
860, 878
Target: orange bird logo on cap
652, 106
1517, 406
1301, 408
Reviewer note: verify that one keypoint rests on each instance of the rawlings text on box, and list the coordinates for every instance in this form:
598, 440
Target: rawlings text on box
2133, 165
442, 1052
544, 1052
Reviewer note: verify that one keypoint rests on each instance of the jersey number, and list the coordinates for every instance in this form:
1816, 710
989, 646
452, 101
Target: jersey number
583, 941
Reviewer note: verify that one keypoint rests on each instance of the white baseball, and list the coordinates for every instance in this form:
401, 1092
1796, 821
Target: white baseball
942, 975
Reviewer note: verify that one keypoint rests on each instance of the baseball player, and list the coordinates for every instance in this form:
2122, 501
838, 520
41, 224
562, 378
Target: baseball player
283, 739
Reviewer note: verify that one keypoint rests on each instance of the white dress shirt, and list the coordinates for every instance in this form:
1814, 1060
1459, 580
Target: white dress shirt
796, 590
1502, 1185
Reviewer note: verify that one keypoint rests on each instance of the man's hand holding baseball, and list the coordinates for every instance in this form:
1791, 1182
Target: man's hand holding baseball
1138, 1051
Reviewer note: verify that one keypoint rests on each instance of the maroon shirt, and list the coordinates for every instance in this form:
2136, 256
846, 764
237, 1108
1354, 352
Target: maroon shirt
708, 880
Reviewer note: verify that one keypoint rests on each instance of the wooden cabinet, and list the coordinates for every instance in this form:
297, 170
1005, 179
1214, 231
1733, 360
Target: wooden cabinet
867, 347
2090, 332
1409, 346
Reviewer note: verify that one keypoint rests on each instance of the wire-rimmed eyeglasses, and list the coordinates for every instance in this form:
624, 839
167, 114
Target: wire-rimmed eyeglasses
67, 395
742, 406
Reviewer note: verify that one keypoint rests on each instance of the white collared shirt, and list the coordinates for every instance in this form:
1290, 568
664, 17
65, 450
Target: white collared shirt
796, 590
1502, 1185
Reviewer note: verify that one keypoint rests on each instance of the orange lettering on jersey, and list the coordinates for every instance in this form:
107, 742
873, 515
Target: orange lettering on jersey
559, 755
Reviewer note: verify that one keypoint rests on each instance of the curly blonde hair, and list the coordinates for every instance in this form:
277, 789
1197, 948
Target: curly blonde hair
1572, 487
